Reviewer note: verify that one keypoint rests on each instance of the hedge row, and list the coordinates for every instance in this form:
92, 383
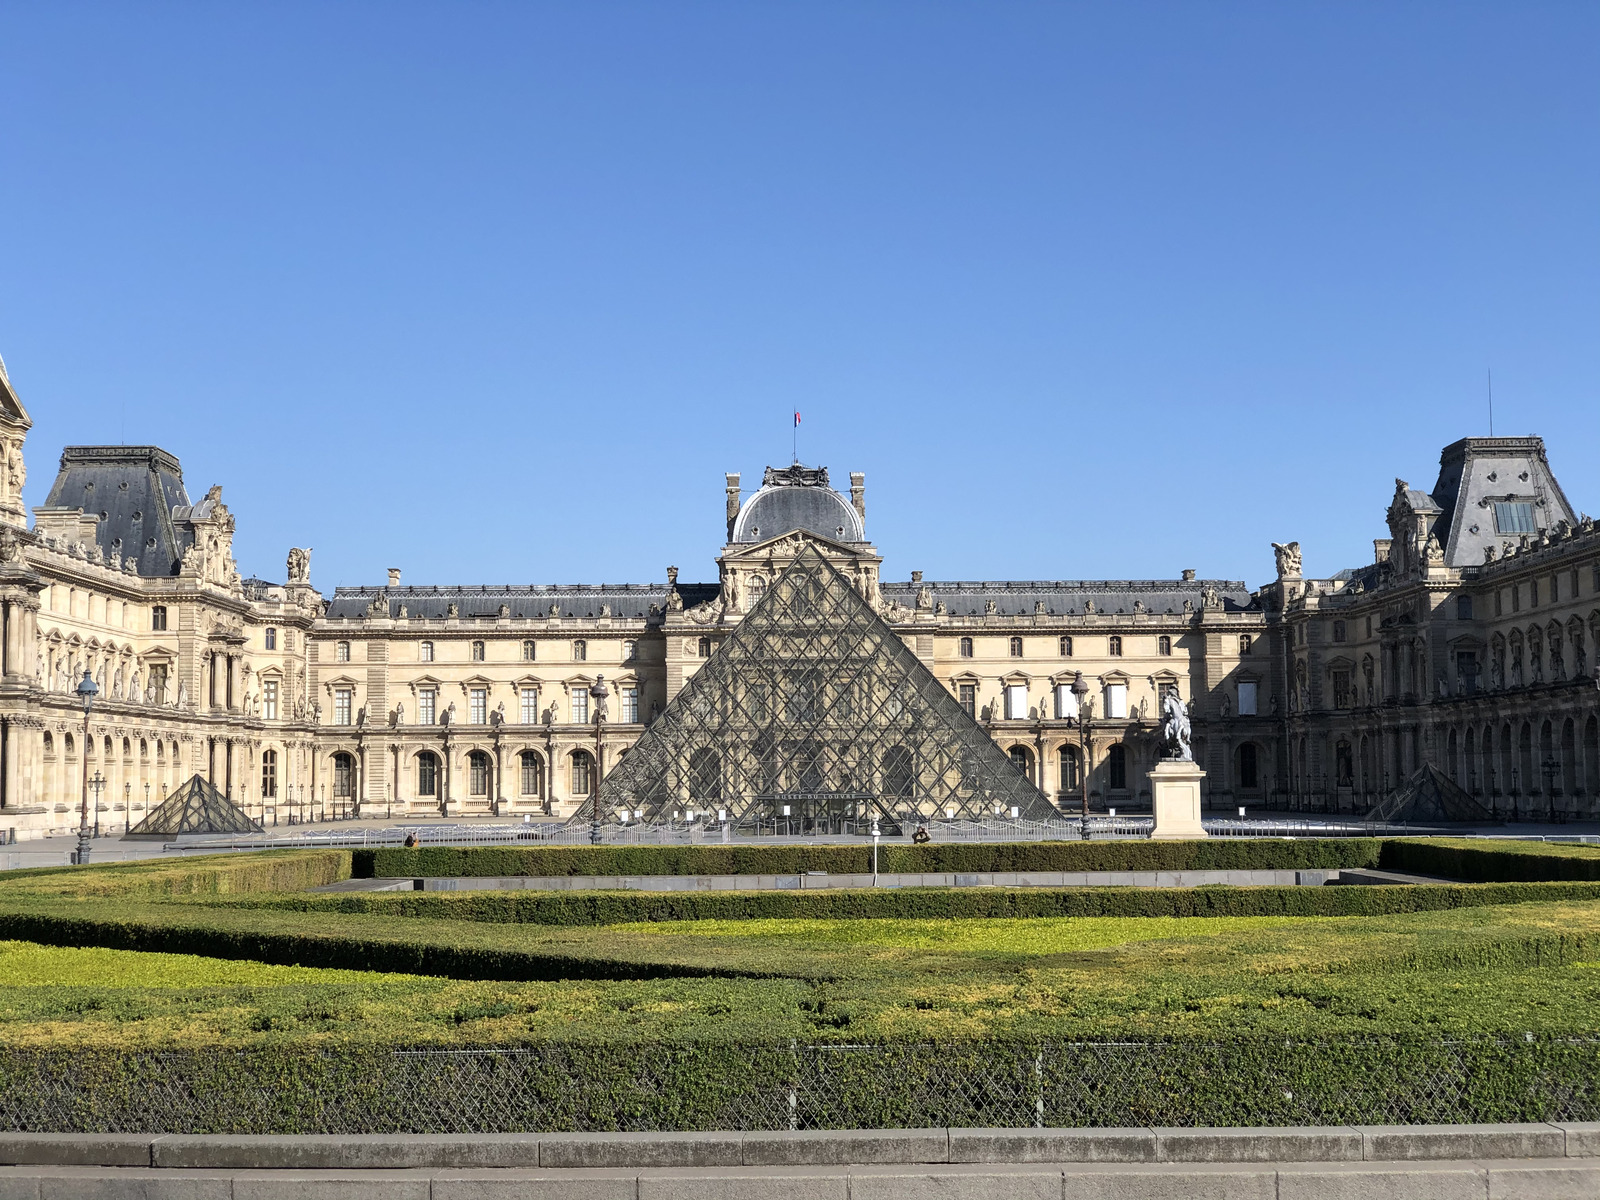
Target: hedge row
1219, 854
209, 875
619, 907
179, 932
702, 1086
1491, 861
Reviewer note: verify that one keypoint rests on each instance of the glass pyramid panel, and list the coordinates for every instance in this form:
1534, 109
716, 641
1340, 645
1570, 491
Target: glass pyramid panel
195, 807
814, 710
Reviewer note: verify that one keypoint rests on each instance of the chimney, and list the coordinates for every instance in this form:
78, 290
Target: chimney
1188, 574
858, 497
916, 578
733, 501
1380, 549
394, 576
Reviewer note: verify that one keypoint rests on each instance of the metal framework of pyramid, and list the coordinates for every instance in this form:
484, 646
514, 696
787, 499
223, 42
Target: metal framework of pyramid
196, 807
815, 713
1429, 795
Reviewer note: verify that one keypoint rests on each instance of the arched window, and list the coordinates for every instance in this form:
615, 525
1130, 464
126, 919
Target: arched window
705, 647
478, 773
530, 649
269, 774
1022, 760
49, 743
582, 773
898, 773
425, 652
705, 776
966, 647
144, 748
1527, 781
1070, 779
1244, 643
1117, 767
271, 638
1066, 647
1569, 757
1163, 644
427, 773
1114, 645
532, 773
477, 651
580, 651
1016, 647
66, 743
758, 588
344, 775
1249, 780
342, 652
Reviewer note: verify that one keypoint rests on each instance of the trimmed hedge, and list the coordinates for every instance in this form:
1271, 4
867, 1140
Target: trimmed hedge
1218, 854
1493, 861
620, 907
208, 875
713, 1085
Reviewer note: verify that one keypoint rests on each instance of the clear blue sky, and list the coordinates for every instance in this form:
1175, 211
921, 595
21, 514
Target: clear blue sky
497, 292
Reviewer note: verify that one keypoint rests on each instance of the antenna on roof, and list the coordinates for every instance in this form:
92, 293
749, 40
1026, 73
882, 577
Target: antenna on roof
1491, 401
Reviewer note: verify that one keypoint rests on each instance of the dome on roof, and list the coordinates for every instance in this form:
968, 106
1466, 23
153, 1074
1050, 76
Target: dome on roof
782, 507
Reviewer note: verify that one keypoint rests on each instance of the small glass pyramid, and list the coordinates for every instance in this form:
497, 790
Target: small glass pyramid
814, 711
196, 807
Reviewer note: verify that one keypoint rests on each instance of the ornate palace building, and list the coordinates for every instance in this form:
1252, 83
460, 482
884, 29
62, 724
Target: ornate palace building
1467, 643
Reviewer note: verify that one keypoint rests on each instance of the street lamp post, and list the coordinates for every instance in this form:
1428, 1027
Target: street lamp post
127, 806
96, 784
1080, 693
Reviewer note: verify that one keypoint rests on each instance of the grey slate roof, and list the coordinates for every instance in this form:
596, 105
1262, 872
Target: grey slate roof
793, 498
627, 600
1068, 597
134, 490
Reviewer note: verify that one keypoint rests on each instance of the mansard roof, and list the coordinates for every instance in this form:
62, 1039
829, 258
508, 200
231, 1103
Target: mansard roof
1069, 597
793, 498
1474, 473
134, 490
625, 600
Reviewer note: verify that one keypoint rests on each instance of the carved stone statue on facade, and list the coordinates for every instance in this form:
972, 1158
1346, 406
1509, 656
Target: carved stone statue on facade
183, 694
989, 607
399, 714
924, 599
452, 611
299, 565
1288, 558
505, 611
1175, 727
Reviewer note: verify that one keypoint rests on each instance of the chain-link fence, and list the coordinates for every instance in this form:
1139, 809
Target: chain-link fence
578, 1087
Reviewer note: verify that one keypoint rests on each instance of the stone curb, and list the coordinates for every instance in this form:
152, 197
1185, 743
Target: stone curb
846, 1147
1438, 1179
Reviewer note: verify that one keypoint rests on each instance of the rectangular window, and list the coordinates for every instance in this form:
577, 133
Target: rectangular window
1516, 597
1341, 689
341, 706
530, 650
969, 700
269, 775
1017, 702
530, 706
158, 682
1247, 698
1463, 608
580, 651
342, 652
269, 699
530, 775
630, 706
1467, 670
477, 651
1114, 646
1338, 631
425, 652
478, 706
580, 706
425, 707
1555, 589
1499, 604
1533, 593
271, 641
158, 618
1066, 703
1514, 516
1117, 701
1162, 688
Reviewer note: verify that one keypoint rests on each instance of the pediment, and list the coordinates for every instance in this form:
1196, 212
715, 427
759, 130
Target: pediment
11, 409
788, 545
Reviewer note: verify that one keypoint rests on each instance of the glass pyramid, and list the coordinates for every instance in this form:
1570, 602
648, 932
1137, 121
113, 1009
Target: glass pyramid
196, 807
811, 715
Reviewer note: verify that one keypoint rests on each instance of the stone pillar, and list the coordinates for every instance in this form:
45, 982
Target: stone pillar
1175, 799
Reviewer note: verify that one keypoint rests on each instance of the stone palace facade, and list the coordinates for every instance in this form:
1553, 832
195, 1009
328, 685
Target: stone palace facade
1469, 643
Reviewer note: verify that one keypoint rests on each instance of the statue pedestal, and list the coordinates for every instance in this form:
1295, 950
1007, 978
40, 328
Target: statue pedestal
1175, 797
